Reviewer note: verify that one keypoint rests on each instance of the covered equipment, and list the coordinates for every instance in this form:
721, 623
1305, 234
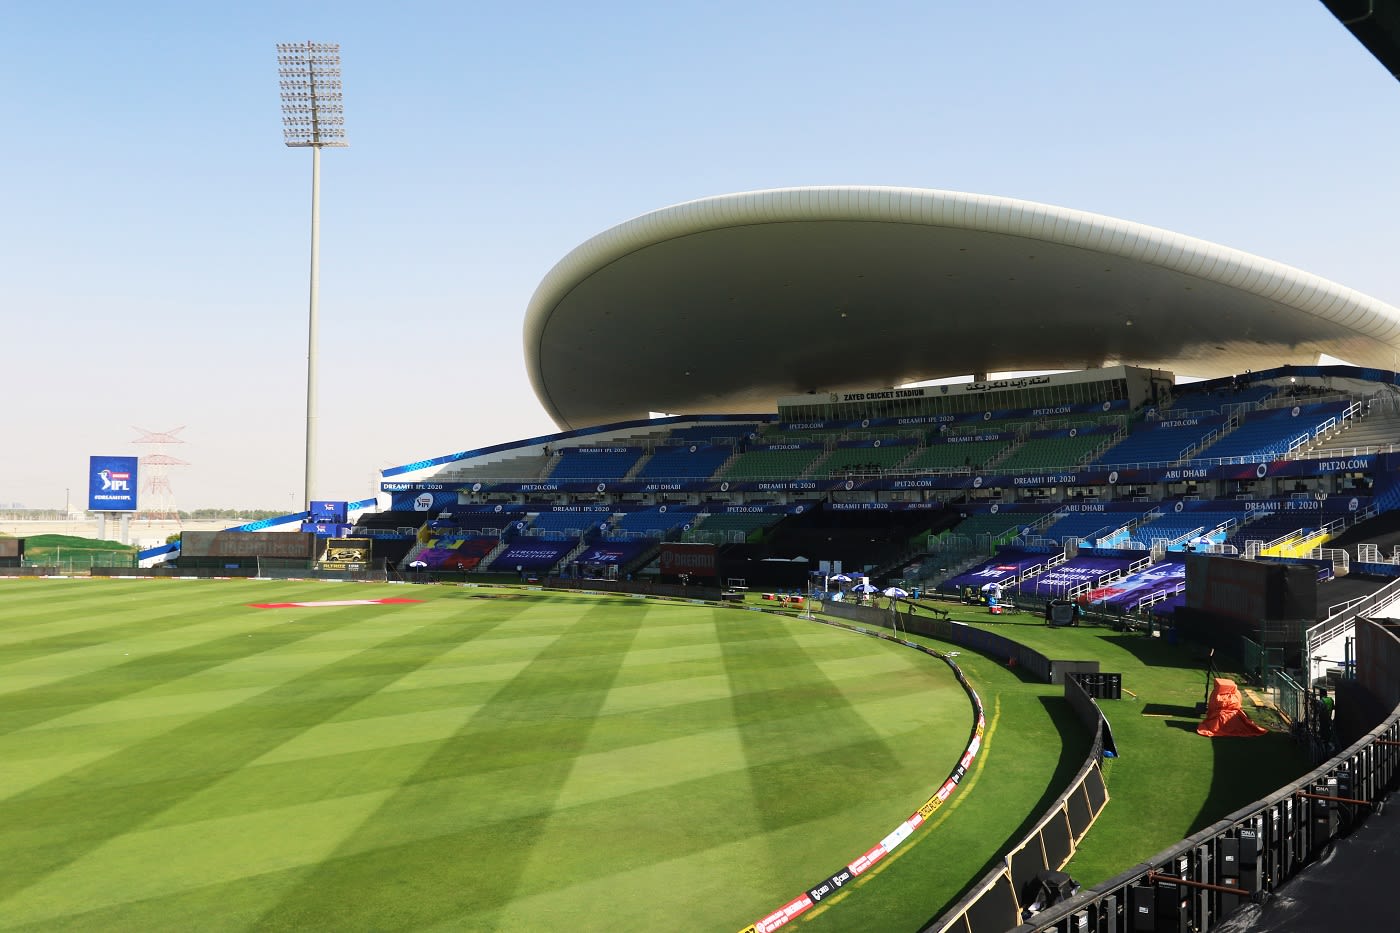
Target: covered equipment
1225, 715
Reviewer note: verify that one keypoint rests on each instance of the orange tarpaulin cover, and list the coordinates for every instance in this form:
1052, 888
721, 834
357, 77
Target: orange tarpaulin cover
1225, 715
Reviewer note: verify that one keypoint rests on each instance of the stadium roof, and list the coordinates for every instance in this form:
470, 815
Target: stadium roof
726, 303
1375, 24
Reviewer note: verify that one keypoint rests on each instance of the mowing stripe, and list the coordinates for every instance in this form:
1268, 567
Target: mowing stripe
582, 664
535, 775
96, 804
55, 620
110, 671
782, 793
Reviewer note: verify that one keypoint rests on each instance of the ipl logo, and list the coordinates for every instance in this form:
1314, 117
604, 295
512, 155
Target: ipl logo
112, 481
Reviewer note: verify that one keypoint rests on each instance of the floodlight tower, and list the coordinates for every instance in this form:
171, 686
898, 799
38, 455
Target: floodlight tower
313, 116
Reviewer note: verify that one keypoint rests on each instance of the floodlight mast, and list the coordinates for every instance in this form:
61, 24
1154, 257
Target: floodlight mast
313, 116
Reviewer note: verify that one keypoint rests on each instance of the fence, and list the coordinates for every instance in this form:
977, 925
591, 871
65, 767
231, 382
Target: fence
69, 560
1291, 697
1254, 851
996, 902
967, 636
1257, 660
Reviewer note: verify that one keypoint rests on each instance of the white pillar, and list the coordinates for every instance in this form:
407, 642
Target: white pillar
309, 488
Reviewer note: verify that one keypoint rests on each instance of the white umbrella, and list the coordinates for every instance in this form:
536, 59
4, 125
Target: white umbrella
895, 592
417, 564
840, 578
864, 588
988, 586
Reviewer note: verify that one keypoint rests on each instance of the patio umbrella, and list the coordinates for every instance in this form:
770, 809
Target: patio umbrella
417, 564
864, 588
839, 578
895, 592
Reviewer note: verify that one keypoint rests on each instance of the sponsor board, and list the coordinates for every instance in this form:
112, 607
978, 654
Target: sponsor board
830, 885
780, 917
334, 602
930, 805
699, 559
862, 864
901, 833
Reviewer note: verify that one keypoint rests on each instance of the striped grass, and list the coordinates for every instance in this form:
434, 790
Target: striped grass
172, 758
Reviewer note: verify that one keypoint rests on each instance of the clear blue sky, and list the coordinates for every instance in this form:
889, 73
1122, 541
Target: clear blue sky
153, 253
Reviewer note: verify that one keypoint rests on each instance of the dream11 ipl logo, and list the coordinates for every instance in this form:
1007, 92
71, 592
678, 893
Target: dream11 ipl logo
112, 481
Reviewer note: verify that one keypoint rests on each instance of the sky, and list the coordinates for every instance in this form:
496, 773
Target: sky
154, 236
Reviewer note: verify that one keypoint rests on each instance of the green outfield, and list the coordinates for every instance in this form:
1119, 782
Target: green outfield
172, 758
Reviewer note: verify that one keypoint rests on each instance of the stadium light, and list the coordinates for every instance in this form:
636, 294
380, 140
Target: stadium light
313, 116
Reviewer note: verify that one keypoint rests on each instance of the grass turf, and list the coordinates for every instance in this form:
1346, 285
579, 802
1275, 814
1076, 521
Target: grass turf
171, 758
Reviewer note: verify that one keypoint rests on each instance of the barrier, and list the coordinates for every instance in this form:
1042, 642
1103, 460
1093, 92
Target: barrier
1254, 850
641, 587
992, 644
996, 902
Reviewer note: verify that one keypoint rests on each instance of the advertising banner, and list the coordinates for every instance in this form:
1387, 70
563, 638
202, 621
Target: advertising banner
696, 559
328, 511
112, 484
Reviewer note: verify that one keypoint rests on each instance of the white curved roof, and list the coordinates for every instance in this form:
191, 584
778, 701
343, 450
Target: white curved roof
728, 302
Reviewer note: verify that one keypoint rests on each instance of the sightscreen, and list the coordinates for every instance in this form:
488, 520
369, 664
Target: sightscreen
290, 545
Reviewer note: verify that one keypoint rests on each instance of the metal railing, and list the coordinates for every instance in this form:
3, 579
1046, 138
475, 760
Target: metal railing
1342, 616
1199, 882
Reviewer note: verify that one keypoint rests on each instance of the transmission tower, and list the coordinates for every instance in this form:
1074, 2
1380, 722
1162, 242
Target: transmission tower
157, 498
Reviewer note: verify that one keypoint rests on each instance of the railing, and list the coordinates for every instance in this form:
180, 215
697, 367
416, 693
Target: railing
1254, 851
1338, 557
1182, 539
1203, 442
1326, 453
1151, 599
1342, 616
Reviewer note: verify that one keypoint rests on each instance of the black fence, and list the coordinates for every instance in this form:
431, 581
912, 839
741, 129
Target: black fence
1197, 883
997, 901
981, 640
639, 587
